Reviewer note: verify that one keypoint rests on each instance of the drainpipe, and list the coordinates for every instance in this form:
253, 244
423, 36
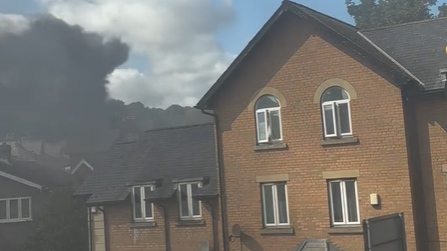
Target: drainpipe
223, 201
167, 227
214, 226
90, 228
106, 229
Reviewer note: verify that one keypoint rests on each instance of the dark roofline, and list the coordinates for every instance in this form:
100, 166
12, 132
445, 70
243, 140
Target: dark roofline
404, 24
179, 127
294, 8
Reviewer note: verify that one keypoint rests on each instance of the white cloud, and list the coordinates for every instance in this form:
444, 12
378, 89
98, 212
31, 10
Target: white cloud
11, 23
177, 37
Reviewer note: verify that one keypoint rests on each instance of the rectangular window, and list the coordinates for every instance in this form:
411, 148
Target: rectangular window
274, 203
15, 209
268, 123
142, 210
188, 206
336, 118
344, 202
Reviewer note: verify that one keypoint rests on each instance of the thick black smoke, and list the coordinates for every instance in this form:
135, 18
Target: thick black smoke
53, 79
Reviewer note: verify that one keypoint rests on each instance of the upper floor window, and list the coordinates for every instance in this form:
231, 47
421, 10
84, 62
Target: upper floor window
15, 209
336, 112
142, 210
274, 204
190, 208
344, 202
268, 119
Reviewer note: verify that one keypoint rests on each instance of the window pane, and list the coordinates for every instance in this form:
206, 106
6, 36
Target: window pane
267, 101
262, 129
184, 200
329, 119
275, 124
336, 202
13, 209
343, 110
282, 203
25, 204
334, 94
137, 202
268, 205
3, 215
195, 203
148, 205
351, 201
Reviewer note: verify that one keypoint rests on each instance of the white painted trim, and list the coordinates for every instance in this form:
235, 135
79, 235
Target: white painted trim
83, 161
20, 180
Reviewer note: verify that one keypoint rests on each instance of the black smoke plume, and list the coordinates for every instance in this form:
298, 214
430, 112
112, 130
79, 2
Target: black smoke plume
53, 79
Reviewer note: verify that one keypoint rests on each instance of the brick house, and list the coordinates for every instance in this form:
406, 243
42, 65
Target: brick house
24, 192
320, 125
157, 193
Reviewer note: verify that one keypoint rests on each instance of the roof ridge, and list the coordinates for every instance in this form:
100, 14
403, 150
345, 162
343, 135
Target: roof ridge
321, 13
404, 24
179, 127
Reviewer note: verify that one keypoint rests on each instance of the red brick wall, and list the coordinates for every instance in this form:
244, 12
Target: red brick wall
123, 236
295, 59
431, 114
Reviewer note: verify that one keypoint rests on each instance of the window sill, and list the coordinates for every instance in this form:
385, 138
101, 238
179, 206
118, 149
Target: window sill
339, 141
270, 146
194, 222
355, 229
142, 224
286, 230
14, 221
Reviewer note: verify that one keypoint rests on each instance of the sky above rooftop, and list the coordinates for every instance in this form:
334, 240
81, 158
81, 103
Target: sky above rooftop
178, 47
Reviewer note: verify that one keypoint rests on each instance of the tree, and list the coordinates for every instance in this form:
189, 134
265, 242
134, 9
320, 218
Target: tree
62, 226
369, 14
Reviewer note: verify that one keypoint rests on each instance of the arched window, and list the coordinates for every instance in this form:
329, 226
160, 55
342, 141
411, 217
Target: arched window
268, 119
336, 112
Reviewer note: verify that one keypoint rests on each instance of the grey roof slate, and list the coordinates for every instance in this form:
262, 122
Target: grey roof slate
418, 46
316, 245
164, 155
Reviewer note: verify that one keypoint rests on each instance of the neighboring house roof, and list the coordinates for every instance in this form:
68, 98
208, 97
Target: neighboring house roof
414, 50
418, 46
99, 142
164, 156
82, 162
33, 174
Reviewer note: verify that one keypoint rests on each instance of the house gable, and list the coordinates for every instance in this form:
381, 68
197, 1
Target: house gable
348, 34
20, 180
83, 162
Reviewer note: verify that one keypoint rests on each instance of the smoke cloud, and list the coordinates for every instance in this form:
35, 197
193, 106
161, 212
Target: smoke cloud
53, 76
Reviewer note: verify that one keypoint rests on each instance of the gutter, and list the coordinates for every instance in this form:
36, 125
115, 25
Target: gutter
223, 196
390, 58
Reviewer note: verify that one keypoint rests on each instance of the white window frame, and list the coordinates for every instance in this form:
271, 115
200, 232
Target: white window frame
344, 202
189, 199
268, 129
336, 115
275, 205
144, 217
20, 218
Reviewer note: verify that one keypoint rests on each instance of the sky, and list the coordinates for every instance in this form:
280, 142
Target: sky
178, 47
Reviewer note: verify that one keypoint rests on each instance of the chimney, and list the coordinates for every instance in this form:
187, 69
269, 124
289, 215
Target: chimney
5, 152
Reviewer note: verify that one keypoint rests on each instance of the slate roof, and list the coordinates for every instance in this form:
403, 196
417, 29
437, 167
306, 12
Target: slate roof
34, 172
415, 51
418, 46
161, 155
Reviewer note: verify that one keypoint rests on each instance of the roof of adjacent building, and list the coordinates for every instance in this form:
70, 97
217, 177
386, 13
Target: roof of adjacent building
163, 156
34, 172
414, 51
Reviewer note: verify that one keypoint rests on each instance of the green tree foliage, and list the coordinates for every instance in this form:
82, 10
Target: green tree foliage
62, 225
369, 14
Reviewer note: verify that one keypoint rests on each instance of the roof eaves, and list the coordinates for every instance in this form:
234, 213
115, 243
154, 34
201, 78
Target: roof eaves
20, 180
204, 101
